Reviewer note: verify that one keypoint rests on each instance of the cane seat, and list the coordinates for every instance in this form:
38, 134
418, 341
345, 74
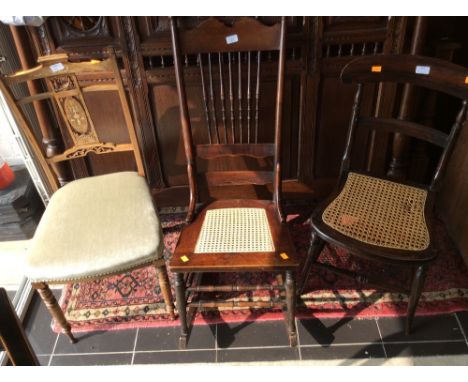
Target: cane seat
380, 212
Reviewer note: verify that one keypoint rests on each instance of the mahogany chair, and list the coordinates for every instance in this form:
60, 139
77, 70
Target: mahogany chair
388, 220
96, 226
232, 235
13, 339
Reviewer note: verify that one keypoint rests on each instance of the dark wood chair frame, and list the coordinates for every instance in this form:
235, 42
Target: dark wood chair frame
13, 339
212, 37
66, 84
430, 73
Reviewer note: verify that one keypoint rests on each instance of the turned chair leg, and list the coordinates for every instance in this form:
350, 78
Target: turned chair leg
315, 248
290, 286
182, 309
166, 289
416, 289
54, 309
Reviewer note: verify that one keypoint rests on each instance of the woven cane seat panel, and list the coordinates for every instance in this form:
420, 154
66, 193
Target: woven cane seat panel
229, 230
380, 212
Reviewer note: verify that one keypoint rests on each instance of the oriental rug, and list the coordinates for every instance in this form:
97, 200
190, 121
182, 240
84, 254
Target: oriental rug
133, 300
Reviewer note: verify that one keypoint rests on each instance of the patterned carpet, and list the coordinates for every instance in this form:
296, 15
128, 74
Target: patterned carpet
133, 299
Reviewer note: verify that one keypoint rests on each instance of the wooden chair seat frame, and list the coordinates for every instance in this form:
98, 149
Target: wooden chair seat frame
421, 71
213, 37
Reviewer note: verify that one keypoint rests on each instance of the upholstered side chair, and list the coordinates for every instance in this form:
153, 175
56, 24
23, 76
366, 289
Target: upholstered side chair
95, 226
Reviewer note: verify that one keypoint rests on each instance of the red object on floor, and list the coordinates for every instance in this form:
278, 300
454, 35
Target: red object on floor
7, 176
134, 300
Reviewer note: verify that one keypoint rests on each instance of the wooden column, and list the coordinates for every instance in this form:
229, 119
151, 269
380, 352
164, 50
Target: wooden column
138, 89
400, 147
43, 117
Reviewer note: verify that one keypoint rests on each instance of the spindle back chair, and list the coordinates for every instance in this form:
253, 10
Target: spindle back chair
231, 112
232, 235
380, 218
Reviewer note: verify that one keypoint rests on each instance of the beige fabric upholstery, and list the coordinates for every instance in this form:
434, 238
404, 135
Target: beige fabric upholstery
380, 212
96, 226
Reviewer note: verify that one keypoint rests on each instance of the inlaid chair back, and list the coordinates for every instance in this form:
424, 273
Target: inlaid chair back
230, 60
426, 72
66, 84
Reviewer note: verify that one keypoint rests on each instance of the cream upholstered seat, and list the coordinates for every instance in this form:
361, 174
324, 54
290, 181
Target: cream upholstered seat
96, 226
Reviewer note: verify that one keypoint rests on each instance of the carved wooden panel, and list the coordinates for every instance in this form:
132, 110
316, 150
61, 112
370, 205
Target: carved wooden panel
338, 41
82, 33
316, 107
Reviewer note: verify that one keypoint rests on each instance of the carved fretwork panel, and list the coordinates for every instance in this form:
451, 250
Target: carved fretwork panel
83, 34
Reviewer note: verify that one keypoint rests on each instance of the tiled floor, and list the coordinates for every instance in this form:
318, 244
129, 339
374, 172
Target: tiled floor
347, 341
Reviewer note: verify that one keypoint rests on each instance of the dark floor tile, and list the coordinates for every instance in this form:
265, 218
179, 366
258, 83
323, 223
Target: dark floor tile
191, 356
201, 337
252, 334
98, 342
43, 360
258, 355
337, 331
38, 326
92, 360
427, 328
426, 349
463, 317
343, 352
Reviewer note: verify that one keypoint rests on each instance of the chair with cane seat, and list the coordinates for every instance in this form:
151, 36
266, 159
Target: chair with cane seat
383, 219
237, 235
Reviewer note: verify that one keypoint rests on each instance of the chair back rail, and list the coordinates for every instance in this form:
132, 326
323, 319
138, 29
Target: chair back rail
66, 85
411, 129
247, 34
230, 62
427, 72
260, 150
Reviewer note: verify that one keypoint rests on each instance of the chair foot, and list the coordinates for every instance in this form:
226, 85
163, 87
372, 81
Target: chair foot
181, 307
182, 342
166, 290
416, 289
293, 340
291, 308
72, 338
54, 309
